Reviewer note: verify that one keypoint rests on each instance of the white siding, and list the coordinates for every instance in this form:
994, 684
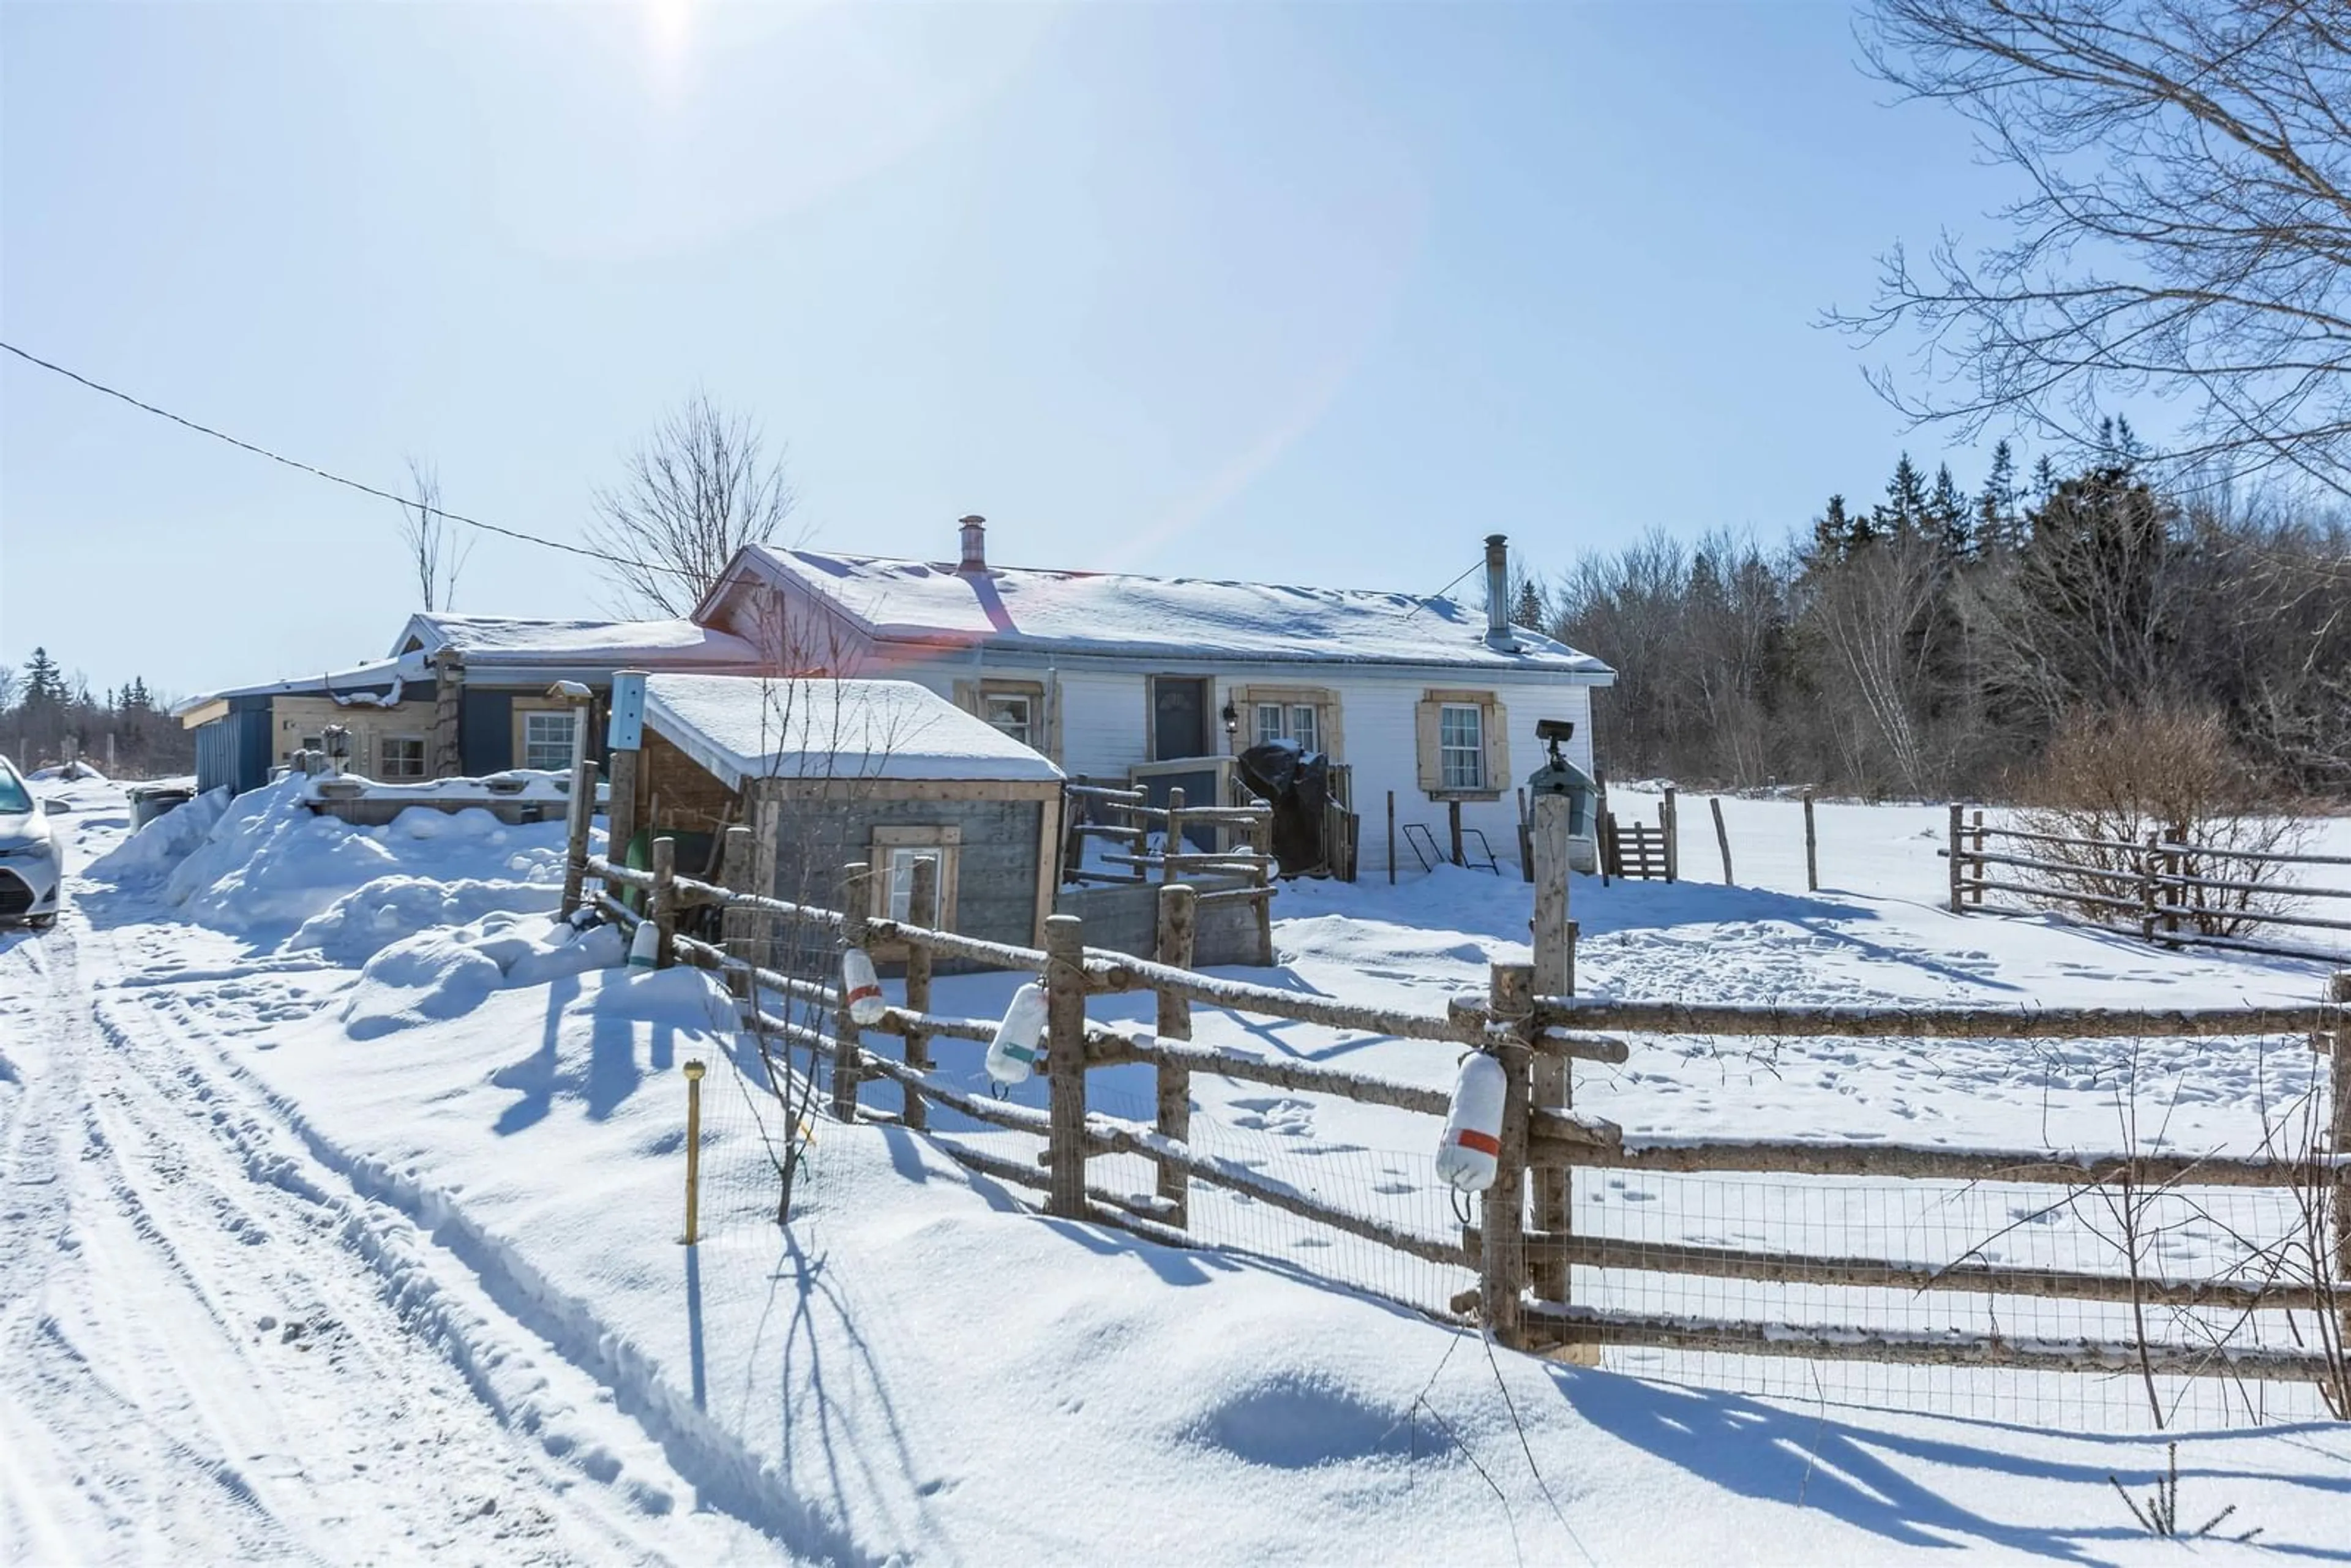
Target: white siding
1102, 717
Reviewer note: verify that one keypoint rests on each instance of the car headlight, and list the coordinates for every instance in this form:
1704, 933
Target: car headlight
38, 849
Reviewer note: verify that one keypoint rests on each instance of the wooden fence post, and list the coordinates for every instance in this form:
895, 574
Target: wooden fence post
1177, 908
1669, 824
663, 906
1503, 1278
1976, 844
1547, 843
737, 861
1550, 1080
847, 1039
1721, 837
922, 909
1959, 861
2150, 866
582, 813
625, 733
1174, 844
2177, 866
1065, 1063
1391, 838
693, 1072
1812, 849
2340, 1093
1453, 825
1261, 840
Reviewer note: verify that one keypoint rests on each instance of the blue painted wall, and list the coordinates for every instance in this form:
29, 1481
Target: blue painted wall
485, 732
233, 752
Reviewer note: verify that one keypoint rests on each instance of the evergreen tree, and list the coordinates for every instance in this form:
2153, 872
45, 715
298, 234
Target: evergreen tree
1997, 526
1904, 511
1946, 517
1837, 533
2045, 481
44, 683
1529, 611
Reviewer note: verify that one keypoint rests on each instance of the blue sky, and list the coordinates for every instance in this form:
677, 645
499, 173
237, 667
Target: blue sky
1319, 293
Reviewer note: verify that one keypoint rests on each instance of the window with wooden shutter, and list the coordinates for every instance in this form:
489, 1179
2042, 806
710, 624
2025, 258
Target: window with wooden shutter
1463, 744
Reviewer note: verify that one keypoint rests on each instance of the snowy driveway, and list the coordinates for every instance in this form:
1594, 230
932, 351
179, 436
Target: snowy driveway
213, 1348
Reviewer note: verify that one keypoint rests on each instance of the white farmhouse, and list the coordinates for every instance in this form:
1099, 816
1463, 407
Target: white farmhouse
1163, 681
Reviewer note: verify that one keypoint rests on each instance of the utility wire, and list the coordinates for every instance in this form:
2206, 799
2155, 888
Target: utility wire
364, 489
1418, 605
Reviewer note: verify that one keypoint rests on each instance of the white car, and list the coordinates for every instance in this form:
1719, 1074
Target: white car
32, 870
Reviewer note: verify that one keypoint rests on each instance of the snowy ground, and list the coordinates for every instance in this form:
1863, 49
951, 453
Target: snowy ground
305, 1263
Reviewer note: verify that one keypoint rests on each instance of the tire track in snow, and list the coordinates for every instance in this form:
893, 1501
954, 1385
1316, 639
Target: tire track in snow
385, 1412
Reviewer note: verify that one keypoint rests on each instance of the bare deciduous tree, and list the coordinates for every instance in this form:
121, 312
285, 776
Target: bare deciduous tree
435, 551
699, 489
2185, 230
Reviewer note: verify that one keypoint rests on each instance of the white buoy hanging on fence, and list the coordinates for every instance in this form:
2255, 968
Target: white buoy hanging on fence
1012, 1054
1472, 1149
860, 988
644, 948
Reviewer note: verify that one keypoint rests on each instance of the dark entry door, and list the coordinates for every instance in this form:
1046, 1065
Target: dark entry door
1179, 717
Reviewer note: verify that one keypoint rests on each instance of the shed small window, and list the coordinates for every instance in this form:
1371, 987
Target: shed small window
400, 757
895, 852
547, 740
1461, 746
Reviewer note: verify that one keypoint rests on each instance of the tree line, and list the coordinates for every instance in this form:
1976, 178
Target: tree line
45, 712
1934, 641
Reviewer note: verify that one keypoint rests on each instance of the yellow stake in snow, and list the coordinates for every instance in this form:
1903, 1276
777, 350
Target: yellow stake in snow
693, 1072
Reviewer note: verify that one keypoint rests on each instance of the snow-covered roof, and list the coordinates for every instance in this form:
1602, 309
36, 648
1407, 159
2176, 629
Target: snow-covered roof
1118, 613
619, 644
740, 726
379, 684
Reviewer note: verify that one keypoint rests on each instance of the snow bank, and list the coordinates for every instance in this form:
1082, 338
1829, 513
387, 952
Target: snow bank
162, 844
391, 908
445, 972
268, 861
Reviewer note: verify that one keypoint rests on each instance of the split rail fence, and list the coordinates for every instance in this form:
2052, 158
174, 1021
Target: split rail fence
2166, 889
1529, 1261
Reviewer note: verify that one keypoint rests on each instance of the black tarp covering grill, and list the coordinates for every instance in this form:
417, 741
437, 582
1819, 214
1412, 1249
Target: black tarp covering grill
1297, 786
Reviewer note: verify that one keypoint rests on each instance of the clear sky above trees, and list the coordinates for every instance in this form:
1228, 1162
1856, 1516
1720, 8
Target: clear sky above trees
1322, 293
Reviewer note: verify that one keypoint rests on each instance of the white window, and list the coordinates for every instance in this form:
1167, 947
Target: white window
1461, 746
1011, 713
902, 877
1299, 722
896, 853
547, 740
1303, 728
400, 757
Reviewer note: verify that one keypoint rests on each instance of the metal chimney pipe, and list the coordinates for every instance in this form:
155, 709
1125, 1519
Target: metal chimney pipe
1498, 593
975, 544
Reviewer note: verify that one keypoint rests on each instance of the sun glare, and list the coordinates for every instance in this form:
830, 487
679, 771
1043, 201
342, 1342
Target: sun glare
668, 31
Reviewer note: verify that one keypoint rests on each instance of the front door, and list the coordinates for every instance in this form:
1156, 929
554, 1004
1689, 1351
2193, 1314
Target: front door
1179, 717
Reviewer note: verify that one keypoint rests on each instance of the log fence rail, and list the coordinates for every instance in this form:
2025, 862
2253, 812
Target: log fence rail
1522, 1253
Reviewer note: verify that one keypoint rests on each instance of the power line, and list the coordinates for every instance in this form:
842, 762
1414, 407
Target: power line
365, 490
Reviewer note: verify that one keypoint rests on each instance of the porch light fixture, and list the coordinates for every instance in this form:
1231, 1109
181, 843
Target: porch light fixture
1232, 718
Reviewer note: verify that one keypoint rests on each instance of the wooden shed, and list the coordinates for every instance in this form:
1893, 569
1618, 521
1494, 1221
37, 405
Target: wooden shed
830, 771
